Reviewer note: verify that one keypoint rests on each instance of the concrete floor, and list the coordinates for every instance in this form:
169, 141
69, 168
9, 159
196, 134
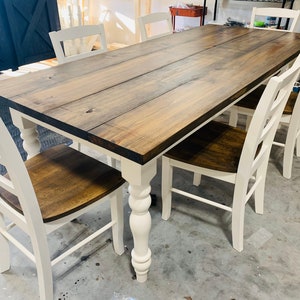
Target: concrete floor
192, 256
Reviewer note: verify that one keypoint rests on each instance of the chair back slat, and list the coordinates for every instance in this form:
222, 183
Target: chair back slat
291, 16
6, 184
74, 43
266, 119
161, 17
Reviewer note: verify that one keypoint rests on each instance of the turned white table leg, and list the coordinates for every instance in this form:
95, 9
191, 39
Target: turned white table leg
139, 178
29, 134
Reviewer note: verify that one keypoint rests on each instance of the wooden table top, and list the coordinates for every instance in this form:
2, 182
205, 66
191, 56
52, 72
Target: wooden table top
139, 100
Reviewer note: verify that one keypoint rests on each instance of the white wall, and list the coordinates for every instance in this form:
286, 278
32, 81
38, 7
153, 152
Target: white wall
118, 16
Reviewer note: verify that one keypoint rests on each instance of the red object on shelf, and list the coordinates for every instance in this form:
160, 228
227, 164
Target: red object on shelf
193, 12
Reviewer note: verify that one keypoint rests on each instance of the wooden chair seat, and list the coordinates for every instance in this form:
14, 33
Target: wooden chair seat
61, 171
252, 99
215, 146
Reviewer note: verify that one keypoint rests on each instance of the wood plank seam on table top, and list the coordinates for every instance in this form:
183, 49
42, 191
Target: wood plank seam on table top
63, 87
48, 95
31, 98
59, 74
68, 106
130, 115
143, 155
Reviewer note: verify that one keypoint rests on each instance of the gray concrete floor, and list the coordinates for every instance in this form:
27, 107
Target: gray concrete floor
192, 256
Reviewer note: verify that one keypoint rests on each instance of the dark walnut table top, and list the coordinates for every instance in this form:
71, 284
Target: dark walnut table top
139, 100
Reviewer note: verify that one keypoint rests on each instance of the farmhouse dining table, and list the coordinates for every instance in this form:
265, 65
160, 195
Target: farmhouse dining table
135, 103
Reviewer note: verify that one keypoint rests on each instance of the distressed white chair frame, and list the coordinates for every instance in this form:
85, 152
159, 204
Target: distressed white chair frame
252, 164
82, 40
146, 21
31, 221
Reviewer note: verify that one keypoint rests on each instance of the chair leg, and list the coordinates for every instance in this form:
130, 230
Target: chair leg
248, 121
4, 246
237, 226
259, 198
291, 141
233, 116
288, 159
197, 179
238, 213
112, 162
166, 184
259, 193
43, 266
116, 205
298, 144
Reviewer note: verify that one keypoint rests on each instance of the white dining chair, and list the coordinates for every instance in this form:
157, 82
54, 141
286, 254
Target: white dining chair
290, 118
46, 192
161, 19
248, 104
232, 155
292, 16
78, 42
